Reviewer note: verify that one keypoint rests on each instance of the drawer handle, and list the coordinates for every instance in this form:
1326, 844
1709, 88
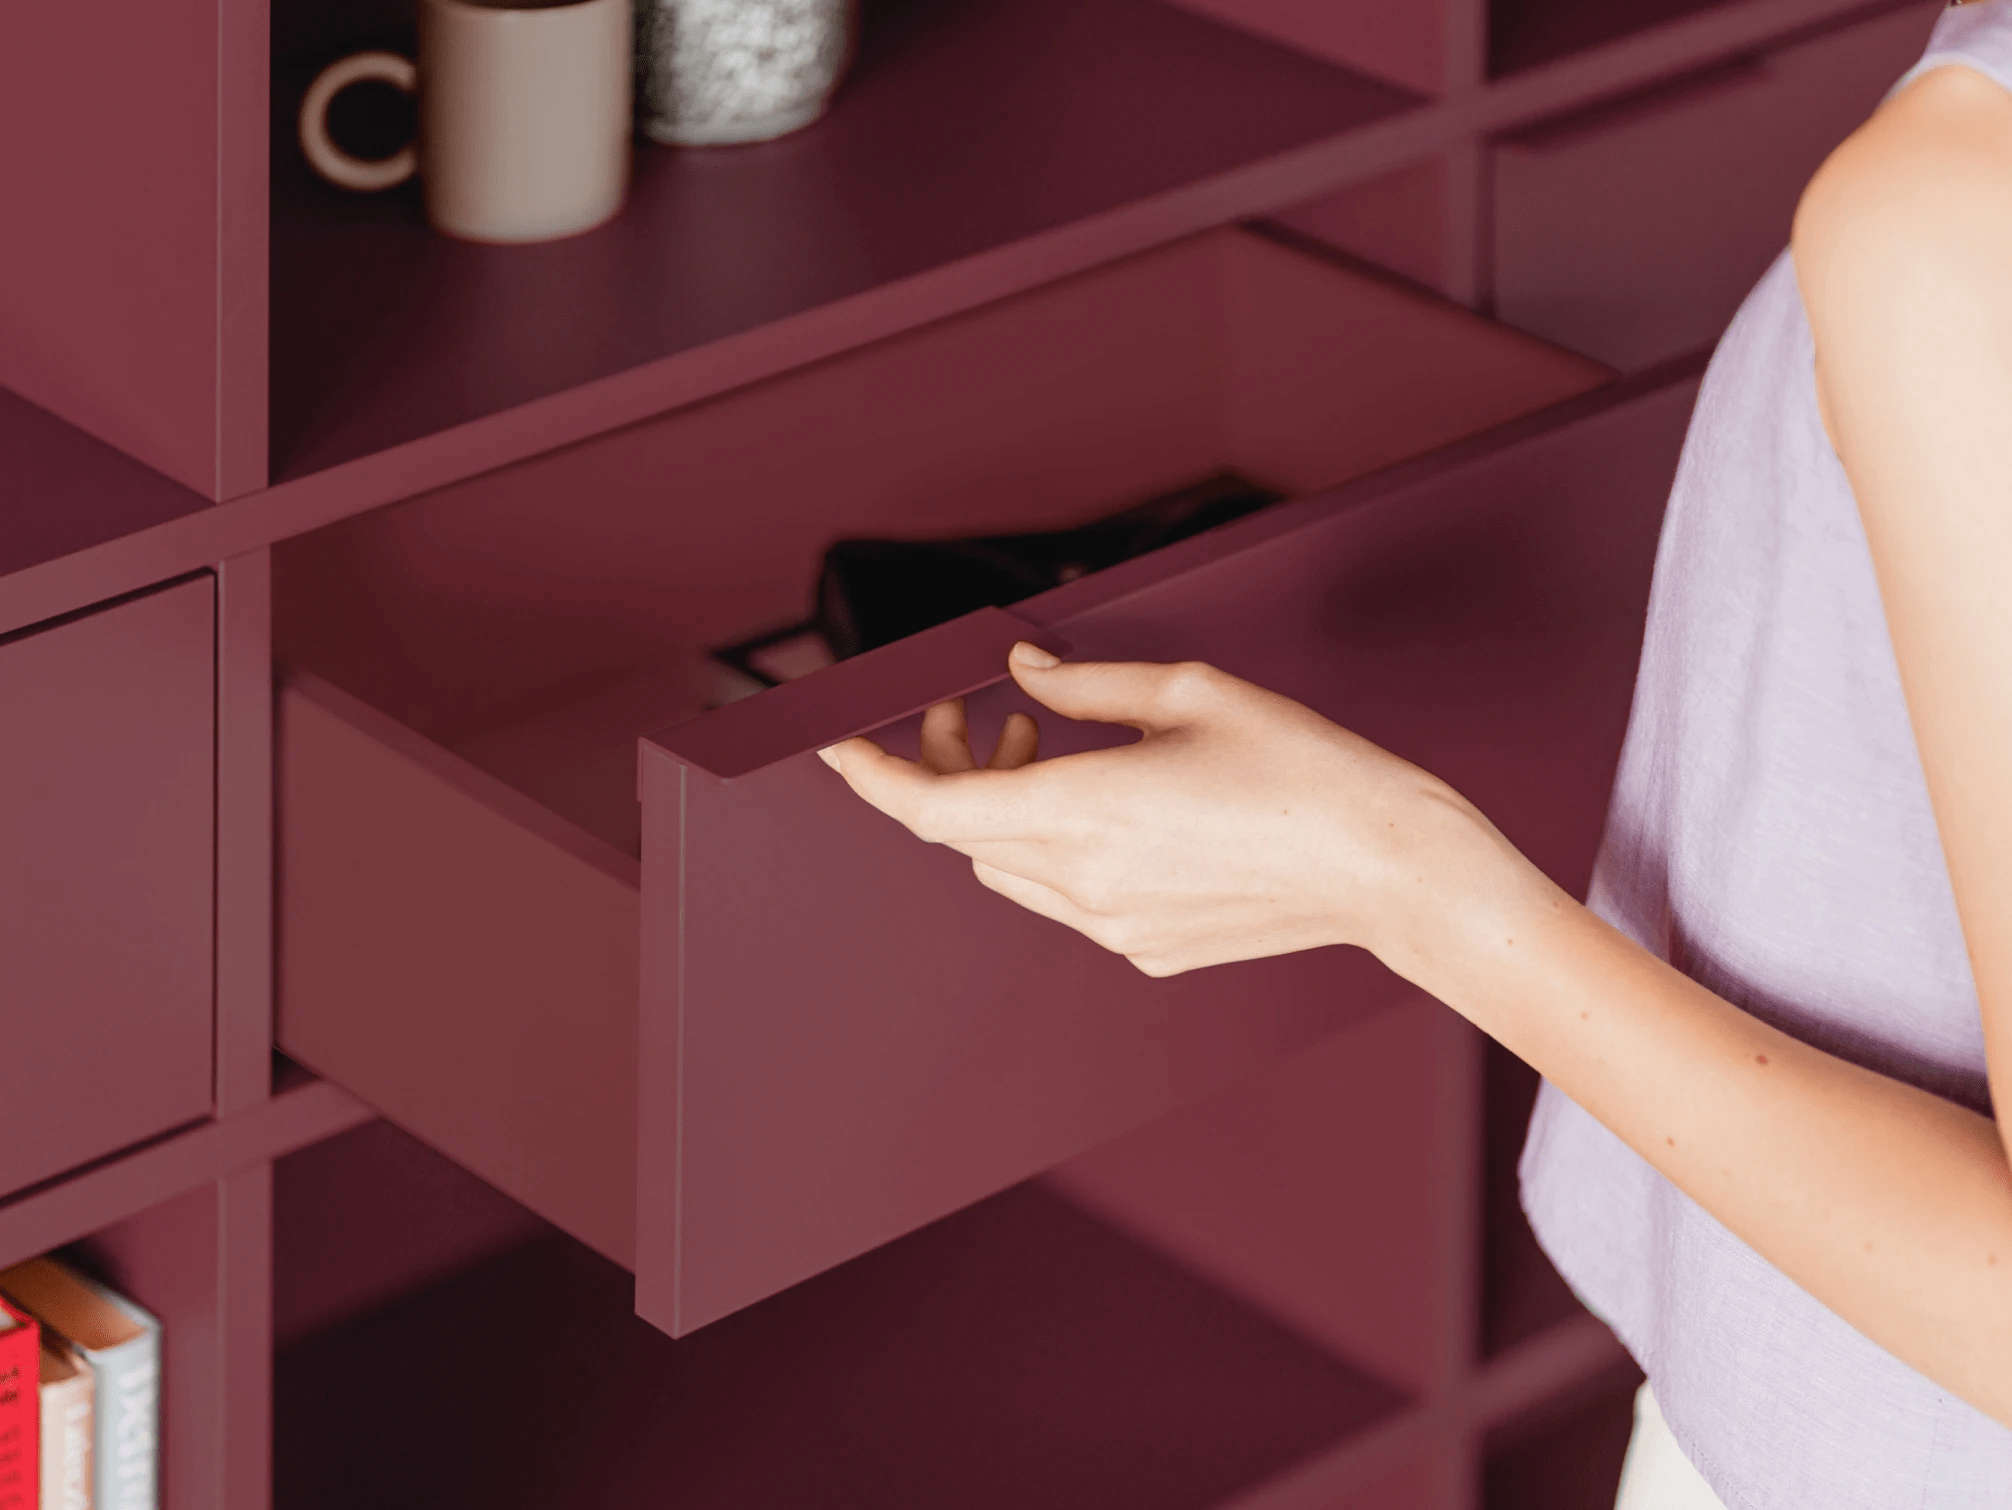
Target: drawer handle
854, 696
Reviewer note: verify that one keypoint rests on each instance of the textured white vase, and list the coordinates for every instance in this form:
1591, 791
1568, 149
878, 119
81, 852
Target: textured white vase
717, 71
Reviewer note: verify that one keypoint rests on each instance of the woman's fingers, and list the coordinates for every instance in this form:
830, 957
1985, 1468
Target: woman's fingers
963, 807
946, 739
1144, 694
1019, 743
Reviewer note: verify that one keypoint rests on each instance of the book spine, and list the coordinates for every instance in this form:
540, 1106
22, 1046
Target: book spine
128, 1436
66, 1442
20, 1410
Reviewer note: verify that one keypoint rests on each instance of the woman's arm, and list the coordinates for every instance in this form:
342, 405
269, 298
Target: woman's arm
1242, 824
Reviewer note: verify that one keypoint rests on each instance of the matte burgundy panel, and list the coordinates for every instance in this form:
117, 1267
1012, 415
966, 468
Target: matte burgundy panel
844, 1036
106, 782
244, 832
108, 267
1312, 1192
366, 1218
66, 490
1525, 33
490, 1009
1019, 1356
965, 127
172, 1258
1633, 232
1398, 220
1402, 42
870, 1040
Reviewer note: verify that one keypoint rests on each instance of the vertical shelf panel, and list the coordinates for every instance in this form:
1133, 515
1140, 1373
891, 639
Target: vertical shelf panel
110, 265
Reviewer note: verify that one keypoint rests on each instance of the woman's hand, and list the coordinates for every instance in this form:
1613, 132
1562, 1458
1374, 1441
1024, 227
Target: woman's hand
1243, 824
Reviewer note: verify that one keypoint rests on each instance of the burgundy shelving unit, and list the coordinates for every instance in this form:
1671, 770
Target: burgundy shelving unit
1044, 257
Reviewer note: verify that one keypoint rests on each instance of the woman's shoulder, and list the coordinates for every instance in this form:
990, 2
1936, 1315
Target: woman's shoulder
1918, 196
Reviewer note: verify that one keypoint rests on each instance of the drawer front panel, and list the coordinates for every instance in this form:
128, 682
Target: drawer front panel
107, 760
844, 1036
1633, 233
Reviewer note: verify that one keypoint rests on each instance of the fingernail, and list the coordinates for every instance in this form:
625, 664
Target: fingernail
829, 757
1033, 655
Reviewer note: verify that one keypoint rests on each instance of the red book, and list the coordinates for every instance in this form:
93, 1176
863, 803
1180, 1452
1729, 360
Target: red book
20, 1410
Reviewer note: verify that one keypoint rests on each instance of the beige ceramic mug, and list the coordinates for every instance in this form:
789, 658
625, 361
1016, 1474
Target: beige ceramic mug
524, 116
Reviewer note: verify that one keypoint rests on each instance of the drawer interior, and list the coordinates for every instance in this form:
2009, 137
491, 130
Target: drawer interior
470, 671
537, 619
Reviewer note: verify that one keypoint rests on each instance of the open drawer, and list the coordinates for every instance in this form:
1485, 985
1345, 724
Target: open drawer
836, 1034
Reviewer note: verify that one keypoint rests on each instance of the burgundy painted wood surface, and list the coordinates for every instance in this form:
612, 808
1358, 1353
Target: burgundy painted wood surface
1406, 43
1525, 34
244, 860
369, 1217
109, 1192
965, 127
461, 958
106, 805
1633, 231
1397, 220
127, 132
1019, 1354
66, 490
1318, 1192
843, 1036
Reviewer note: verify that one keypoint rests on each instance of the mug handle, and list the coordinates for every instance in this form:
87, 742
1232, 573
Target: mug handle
329, 160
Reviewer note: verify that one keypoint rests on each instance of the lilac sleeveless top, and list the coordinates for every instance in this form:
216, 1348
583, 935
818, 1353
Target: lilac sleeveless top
1770, 835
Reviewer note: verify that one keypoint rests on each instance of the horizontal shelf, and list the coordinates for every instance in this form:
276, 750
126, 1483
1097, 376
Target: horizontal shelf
965, 128
66, 1209
1018, 1353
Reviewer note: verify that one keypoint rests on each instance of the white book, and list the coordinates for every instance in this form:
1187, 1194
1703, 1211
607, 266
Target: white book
67, 1468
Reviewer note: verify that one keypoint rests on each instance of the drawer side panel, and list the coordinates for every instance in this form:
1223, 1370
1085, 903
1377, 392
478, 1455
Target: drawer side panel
465, 973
